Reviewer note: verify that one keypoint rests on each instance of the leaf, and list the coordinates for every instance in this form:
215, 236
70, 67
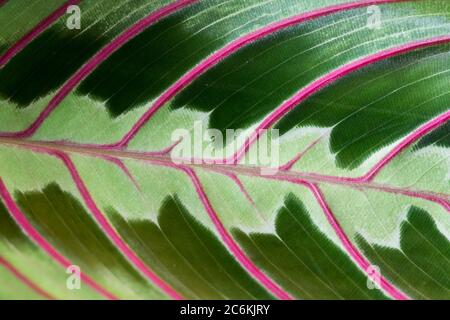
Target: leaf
423, 258
200, 265
438, 137
305, 253
355, 206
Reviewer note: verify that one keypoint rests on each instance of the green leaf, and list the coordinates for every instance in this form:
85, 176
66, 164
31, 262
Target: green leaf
192, 257
308, 262
93, 177
423, 257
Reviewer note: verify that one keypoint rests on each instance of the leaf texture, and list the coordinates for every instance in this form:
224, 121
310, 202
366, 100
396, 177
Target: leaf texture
88, 177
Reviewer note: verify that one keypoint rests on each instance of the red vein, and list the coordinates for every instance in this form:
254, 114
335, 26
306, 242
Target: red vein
119, 163
109, 230
317, 85
108, 147
231, 244
25, 280
288, 166
348, 245
445, 204
22, 221
406, 142
96, 60
238, 182
35, 32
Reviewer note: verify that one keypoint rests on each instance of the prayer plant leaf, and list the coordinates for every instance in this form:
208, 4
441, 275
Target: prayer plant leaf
120, 177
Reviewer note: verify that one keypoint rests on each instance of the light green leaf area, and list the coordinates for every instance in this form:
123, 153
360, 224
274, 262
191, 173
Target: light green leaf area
93, 173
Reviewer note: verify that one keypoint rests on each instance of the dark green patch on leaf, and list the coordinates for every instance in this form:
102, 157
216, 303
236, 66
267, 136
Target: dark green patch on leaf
252, 82
55, 276
145, 66
64, 222
188, 255
11, 235
45, 64
301, 258
439, 137
9, 230
421, 266
377, 105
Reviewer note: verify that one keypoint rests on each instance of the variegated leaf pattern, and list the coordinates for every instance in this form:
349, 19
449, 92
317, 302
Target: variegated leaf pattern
87, 178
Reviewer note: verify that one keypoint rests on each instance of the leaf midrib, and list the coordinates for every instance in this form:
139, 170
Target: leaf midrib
247, 170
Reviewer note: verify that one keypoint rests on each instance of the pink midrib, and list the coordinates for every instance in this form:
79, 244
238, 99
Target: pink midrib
357, 184
101, 56
25, 280
350, 248
36, 31
22, 221
191, 75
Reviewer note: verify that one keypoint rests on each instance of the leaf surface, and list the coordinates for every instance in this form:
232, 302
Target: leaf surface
88, 176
